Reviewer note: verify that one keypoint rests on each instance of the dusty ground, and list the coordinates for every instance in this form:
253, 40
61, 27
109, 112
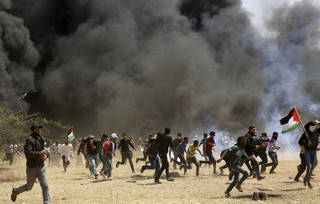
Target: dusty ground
78, 186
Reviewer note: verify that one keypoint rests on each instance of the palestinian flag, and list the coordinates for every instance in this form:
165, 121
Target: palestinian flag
71, 136
291, 121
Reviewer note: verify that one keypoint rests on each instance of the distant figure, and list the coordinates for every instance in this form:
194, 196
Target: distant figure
176, 141
262, 151
93, 155
66, 152
191, 156
126, 153
272, 153
210, 144
152, 153
36, 155
109, 151
249, 149
145, 147
9, 150
101, 142
164, 141
180, 150
203, 143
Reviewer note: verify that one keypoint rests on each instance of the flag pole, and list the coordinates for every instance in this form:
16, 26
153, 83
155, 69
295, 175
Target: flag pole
304, 130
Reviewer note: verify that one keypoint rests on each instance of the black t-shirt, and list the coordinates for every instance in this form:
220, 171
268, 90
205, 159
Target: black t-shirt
164, 141
89, 148
124, 145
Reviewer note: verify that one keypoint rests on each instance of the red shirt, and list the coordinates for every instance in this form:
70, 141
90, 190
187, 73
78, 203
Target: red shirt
208, 145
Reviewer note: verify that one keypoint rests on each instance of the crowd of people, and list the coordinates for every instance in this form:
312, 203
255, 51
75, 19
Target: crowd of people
155, 149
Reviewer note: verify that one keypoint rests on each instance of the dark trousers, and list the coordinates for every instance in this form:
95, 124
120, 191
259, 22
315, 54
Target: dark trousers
145, 156
302, 166
274, 158
8, 157
182, 161
125, 156
164, 166
264, 157
236, 171
155, 164
195, 162
311, 160
211, 161
65, 162
254, 164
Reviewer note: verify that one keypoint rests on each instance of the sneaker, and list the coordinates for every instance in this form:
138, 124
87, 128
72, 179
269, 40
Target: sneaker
181, 166
239, 188
157, 181
310, 185
142, 170
221, 170
230, 176
96, 176
227, 194
110, 178
170, 179
103, 175
13, 195
260, 178
304, 181
296, 180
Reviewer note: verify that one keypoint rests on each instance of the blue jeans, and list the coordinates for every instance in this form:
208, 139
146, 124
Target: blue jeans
155, 163
311, 160
109, 166
94, 160
236, 171
254, 163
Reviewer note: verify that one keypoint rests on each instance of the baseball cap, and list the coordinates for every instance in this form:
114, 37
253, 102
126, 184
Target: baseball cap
91, 137
114, 135
34, 126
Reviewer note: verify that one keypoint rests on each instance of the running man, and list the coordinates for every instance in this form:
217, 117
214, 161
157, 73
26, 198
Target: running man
66, 152
236, 156
35, 155
203, 143
272, 153
154, 159
191, 156
180, 150
109, 151
126, 153
210, 143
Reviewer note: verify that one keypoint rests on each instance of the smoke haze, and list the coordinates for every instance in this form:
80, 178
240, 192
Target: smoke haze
139, 66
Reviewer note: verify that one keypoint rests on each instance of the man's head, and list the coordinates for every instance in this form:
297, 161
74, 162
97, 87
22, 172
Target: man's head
167, 131
66, 142
205, 135
186, 140
124, 136
113, 137
104, 137
196, 143
275, 135
212, 134
35, 128
241, 141
252, 130
264, 135
179, 135
150, 136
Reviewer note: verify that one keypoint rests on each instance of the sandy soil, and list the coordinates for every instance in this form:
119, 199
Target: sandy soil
78, 186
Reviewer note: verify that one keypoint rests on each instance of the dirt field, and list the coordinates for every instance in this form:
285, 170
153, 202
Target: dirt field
78, 186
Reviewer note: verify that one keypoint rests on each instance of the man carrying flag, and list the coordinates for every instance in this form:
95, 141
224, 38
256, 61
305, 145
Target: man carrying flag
309, 140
